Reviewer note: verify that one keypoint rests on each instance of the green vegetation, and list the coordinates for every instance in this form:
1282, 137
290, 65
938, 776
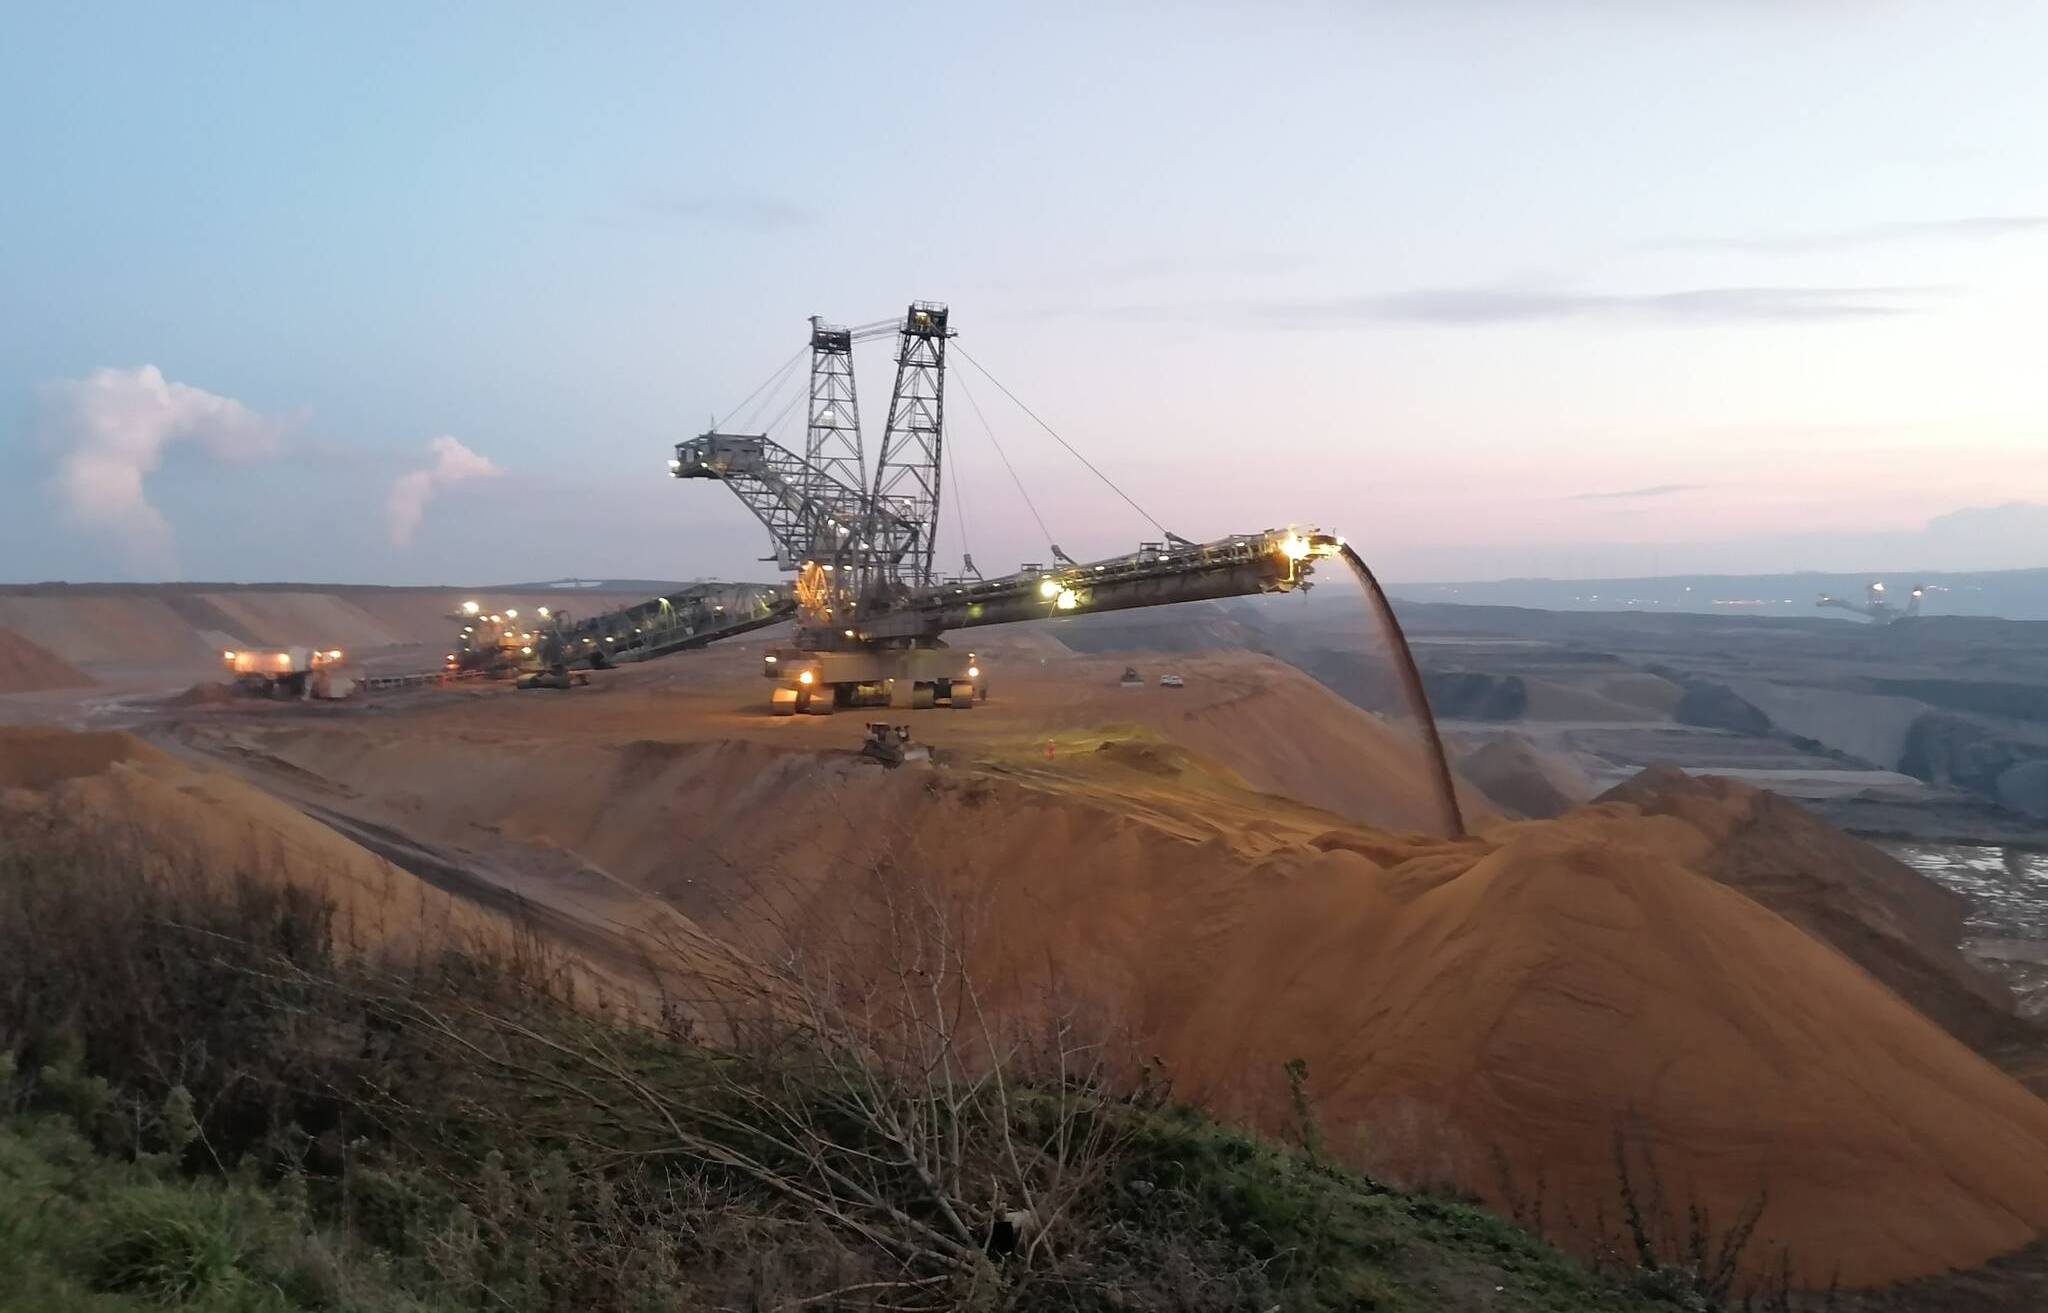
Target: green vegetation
205, 1107
83, 1231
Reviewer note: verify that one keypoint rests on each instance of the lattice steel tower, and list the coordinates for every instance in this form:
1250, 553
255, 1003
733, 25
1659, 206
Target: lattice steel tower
907, 472
832, 447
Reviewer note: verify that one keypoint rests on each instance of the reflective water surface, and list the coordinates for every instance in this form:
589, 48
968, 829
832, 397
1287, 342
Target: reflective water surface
2007, 929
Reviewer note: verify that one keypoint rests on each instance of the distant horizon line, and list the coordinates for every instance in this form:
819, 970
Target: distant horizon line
606, 583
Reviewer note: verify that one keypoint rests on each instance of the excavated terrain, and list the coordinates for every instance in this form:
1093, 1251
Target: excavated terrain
1219, 879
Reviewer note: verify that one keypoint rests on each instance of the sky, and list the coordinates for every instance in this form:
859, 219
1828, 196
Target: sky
414, 293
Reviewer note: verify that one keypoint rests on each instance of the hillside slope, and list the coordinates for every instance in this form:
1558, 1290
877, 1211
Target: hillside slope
184, 627
1887, 918
27, 668
1513, 1000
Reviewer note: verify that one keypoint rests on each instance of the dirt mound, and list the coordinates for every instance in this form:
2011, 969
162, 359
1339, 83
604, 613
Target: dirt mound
192, 823
1551, 699
1490, 1012
1515, 773
1887, 918
1517, 1001
1277, 728
1470, 695
1651, 696
1521, 1003
26, 668
1716, 706
35, 757
206, 693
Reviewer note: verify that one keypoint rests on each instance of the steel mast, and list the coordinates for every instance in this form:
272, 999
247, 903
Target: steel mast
832, 446
906, 486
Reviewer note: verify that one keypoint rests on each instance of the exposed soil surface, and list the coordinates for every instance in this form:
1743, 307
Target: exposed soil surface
1218, 878
1225, 877
27, 668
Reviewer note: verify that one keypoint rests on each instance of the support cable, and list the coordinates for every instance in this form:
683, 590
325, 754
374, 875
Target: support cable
794, 382
783, 414
1107, 482
961, 383
959, 507
764, 383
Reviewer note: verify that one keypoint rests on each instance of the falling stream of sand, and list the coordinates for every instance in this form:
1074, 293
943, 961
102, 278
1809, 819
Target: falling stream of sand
1452, 819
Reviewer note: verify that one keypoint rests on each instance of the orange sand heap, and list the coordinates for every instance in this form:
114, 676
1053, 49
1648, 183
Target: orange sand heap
1517, 774
1514, 999
34, 757
199, 822
1217, 876
27, 668
1884, 916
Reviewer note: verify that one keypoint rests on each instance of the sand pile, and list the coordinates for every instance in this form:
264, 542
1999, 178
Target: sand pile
27, 668
35, 757
1517, 1001
1514, 999
1652, 696
1578, 980
198, 823
206, 693
1554, 699
1517, 774
1894, 923
1274, 726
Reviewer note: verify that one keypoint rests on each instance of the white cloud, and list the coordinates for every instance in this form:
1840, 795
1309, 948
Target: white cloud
410, 492
110, 430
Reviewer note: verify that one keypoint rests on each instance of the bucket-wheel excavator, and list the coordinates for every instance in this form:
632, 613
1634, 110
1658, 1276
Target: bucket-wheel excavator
870, 605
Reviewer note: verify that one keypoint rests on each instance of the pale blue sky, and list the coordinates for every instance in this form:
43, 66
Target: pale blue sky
1439, 276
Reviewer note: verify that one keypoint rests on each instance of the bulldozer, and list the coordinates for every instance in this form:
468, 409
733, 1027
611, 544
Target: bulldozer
891, 746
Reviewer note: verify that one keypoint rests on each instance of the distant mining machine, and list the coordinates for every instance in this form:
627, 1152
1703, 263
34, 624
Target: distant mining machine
495, 642
546, 648
288, 672
869, 604
1876, 608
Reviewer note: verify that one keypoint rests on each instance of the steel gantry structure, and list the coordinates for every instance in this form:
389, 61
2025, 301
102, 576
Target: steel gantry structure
870, 605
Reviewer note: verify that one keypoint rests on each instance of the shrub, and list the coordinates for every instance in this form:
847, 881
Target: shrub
171, 1246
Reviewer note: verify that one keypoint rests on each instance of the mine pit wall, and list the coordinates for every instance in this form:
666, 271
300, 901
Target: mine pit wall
181, 629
